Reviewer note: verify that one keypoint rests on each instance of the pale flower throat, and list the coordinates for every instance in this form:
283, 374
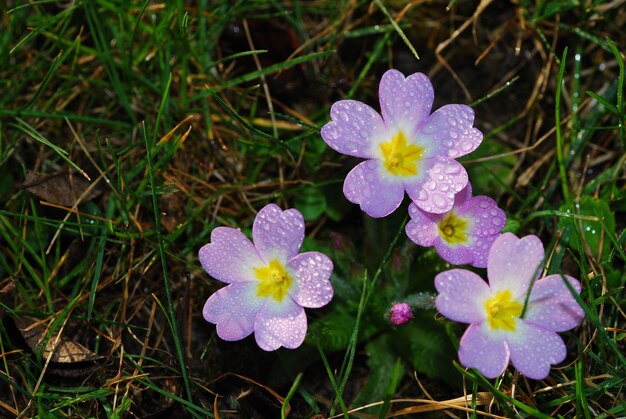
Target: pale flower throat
401, 158
502, 311
453, 229
274, 281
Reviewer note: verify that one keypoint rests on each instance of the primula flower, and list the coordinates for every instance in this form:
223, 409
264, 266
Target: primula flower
462, 235
269, 282
407, 149
400, 313
498, 329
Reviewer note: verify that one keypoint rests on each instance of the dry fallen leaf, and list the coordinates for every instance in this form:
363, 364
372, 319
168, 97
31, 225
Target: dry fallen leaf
61, 188
173, 210
67, 358
6, 291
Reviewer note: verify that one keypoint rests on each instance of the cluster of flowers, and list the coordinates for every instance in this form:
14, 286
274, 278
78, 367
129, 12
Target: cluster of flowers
515, 317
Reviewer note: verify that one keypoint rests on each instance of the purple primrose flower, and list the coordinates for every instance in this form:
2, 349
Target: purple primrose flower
407, 149
400, 313
269, 283
499, 330
462, 235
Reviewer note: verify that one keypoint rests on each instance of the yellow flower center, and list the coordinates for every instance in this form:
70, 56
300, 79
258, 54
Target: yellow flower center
275, 281
453, 229
502, 311
401, 158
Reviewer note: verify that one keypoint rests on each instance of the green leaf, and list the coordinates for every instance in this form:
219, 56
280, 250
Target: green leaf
311, 202
381, 361
511, 225
553, 7
332, 332
425, 344
336, 205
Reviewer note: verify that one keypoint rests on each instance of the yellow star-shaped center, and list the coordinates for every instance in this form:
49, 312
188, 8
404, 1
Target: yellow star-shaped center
502, 311
399, 157
453, 229
275, 281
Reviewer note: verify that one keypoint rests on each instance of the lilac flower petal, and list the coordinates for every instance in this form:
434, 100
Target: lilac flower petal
484, 351
489, 219
435, 188
280, 324
449, 130
463, 195
461, 296
233, 309
534, 349
552, 305
405, 103
455, 255
278, 234
422, 228
230, 257
479, 248
514, 263
312, 271
376, 195
354, 128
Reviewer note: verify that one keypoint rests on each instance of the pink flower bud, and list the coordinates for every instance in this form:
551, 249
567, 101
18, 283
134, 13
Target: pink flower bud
400, 314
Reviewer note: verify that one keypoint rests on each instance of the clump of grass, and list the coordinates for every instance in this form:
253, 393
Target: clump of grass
186, 117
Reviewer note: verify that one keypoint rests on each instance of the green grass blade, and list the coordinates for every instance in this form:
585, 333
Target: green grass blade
557, 123
292, 391
171, 309
333, 382
582, 408
94, 21
378, 49
620, 91
397, 27
35, 135
271, 69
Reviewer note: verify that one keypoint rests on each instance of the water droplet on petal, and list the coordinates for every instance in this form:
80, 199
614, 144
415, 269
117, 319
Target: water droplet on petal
452, 169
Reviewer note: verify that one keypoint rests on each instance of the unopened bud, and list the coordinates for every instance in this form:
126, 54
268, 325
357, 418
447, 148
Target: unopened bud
400, 313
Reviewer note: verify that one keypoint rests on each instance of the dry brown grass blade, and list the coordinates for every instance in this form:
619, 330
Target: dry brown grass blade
459, 403
67, 216
103, 175
277, 396
8, 408
167, 136
216, 411
443, 45
428, 405
588, 380
266, 88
